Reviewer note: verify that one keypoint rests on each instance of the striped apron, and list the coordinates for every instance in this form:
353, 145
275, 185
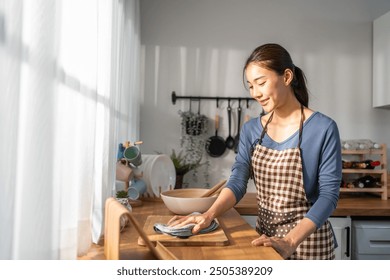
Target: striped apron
282, 199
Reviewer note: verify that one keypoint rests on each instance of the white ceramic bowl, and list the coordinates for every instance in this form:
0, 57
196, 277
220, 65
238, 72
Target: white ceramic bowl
187, 201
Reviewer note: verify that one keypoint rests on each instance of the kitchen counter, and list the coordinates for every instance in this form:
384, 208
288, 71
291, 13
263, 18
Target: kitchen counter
354, 206
238, 231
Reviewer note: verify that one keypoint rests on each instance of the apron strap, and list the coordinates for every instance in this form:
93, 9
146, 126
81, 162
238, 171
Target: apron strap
260, 139
254, 144
301, 127
265, 128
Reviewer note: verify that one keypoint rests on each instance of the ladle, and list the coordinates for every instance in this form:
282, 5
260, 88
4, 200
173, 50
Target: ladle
229, 140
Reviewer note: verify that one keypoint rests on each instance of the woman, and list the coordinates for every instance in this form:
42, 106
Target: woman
294, 156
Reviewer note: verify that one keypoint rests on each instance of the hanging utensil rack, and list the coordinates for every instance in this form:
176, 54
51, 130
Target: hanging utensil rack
175, 97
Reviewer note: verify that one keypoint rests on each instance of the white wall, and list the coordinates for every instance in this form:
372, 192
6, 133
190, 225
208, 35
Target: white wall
199, 47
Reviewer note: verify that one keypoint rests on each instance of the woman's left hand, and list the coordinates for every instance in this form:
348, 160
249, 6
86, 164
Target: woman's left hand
281, 245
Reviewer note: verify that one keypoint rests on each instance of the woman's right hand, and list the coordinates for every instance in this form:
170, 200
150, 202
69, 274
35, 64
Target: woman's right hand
201, 221
224, 202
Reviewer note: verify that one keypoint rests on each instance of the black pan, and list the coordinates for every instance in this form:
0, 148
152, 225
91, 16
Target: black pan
215, 145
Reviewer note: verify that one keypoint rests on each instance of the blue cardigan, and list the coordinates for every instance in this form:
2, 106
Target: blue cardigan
321, 160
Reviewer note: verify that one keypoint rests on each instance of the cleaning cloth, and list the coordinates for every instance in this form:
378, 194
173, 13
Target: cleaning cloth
185, 231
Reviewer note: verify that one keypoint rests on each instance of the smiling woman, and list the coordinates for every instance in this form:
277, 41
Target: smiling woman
293, 155
64, 106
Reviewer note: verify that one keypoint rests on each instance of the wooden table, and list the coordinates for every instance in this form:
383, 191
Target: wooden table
240, 234
238, 231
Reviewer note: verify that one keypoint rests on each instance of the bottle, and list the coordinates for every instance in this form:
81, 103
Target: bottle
347, 164
350, 145
367, 182
366, 164
376, 146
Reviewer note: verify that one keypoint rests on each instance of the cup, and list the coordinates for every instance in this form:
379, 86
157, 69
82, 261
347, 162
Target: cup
123, 171
136, 189
133, 155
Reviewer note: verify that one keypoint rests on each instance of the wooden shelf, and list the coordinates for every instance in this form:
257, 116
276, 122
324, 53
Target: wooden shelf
380, 171
365, 152
358, 190
364, 171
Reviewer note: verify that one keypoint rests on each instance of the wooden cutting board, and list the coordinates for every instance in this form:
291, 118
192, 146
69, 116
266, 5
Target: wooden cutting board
214, 238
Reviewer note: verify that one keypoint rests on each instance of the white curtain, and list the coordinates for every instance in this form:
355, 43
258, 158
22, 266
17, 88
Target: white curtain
69, 86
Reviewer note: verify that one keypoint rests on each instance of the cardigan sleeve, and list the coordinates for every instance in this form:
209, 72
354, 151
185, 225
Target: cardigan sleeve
329, 176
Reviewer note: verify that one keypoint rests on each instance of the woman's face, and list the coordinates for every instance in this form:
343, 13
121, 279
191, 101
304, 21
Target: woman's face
267, 87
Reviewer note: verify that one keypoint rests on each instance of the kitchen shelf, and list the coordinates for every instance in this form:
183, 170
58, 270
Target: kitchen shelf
378, 151
364, 171
380, 171
175, 97
367, 190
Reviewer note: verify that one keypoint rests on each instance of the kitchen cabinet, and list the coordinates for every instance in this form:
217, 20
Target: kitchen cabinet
381, 62
250, 219
350, 175
371, 239
342, 230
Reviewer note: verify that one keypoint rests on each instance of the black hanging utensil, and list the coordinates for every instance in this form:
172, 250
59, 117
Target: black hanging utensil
237, 138
229, 140
215, 145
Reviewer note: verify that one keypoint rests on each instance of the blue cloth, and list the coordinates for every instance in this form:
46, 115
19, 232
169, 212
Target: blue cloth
185, 231
321, 160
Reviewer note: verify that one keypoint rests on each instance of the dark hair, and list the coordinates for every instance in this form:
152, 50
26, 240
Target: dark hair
276, 58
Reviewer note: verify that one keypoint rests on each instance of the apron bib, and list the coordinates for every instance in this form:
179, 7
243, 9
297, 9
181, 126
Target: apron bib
282, 199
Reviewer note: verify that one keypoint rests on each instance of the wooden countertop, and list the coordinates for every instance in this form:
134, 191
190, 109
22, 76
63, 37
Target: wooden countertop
348, 205
238, 231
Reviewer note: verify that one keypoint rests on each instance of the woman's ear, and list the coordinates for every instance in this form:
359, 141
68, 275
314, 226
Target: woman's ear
288, 76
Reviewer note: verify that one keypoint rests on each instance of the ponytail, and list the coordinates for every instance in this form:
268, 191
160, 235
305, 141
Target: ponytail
299, 86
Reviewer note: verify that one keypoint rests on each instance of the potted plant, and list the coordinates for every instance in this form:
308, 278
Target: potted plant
122, 197
183, 165
193, 124
194, 129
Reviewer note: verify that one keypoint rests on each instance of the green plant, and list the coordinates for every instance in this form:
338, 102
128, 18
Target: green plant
194, 129
182, 166
193, 124
121, 194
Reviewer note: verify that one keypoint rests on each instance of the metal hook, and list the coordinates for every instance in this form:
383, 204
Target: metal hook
173, 97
